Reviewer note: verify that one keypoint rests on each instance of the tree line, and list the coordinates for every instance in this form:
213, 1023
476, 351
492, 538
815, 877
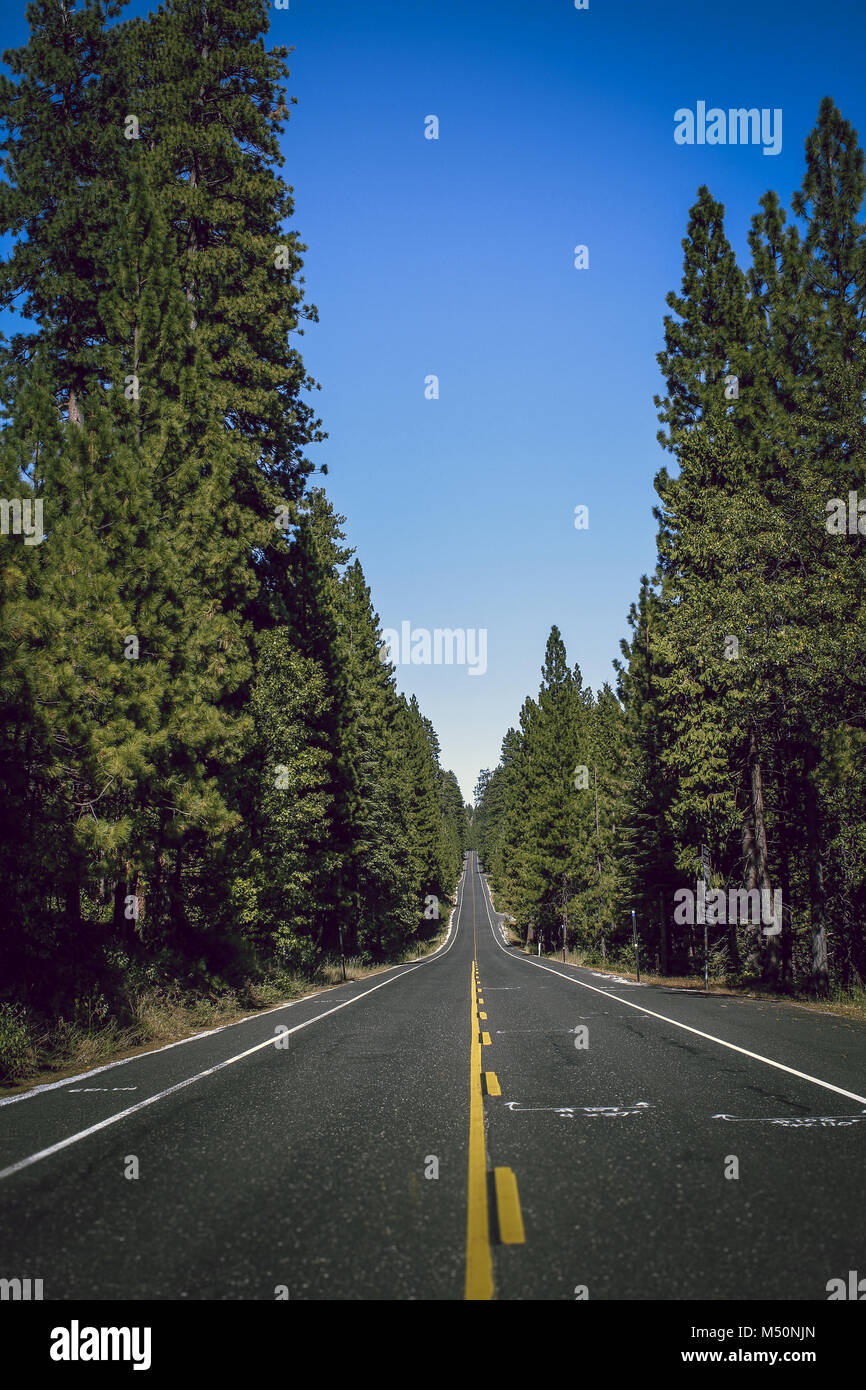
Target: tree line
206, 769
736, 736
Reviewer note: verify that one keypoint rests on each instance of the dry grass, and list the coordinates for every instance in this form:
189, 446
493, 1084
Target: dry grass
646, 978
356, 969
158, 1017
851, 1006
164, 1016
840, 1004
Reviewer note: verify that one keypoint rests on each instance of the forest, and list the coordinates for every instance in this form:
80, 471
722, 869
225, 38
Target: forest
208, 776
731, 756
210, 783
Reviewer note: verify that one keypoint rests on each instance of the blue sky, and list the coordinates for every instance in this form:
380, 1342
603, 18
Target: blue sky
455, 257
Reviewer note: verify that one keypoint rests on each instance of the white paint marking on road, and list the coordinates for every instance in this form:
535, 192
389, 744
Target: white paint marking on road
675, 1023
568, 1112
79, 1090
617, 979
122, 1061
538, 1032
208, 1033
209, 1071
796, 1122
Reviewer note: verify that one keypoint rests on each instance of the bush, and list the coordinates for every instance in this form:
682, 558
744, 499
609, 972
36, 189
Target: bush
16, 1044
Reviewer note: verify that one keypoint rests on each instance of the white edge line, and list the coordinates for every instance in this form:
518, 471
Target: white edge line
150, 1052
210, 1032
227, 1062
641, 1008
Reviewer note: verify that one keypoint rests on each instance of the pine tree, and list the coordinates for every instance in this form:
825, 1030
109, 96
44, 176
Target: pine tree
210, 105
646, 845
65, 162
709, 343
381, 873
290, 856
831, 200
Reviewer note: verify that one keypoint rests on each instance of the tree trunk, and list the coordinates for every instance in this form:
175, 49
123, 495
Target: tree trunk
820, 964
756, 857
123, 926
73, 905
177, 915
157, 914
786, 939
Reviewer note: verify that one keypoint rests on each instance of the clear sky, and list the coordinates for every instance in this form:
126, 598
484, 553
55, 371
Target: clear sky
455, 257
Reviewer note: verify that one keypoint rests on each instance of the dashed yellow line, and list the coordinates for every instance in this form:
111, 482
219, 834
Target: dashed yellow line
479, 1256
511, 1230
479, 1260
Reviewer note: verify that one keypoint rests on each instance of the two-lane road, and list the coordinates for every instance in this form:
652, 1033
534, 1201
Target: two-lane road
477, 1124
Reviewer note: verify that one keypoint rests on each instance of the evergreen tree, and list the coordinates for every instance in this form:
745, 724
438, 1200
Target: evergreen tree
709, 340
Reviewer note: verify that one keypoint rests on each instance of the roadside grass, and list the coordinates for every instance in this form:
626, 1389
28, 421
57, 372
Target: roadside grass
841, 1003
357, 969
51, 1052
33, 1053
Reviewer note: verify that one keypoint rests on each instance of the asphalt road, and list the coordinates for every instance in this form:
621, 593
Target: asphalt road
478, 1124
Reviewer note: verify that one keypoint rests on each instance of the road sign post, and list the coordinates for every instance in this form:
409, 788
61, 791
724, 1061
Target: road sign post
636, 947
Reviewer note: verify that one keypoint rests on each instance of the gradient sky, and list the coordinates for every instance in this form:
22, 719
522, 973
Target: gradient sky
455, 257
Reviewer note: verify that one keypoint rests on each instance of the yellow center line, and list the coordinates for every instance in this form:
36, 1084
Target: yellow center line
508, 1211
479, 1259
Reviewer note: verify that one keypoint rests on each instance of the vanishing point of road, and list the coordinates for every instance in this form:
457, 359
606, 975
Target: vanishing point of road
477, 1124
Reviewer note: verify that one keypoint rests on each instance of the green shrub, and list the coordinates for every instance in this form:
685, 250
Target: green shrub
16, 1044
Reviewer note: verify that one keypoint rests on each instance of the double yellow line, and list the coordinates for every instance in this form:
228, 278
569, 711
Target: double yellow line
479, 1256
